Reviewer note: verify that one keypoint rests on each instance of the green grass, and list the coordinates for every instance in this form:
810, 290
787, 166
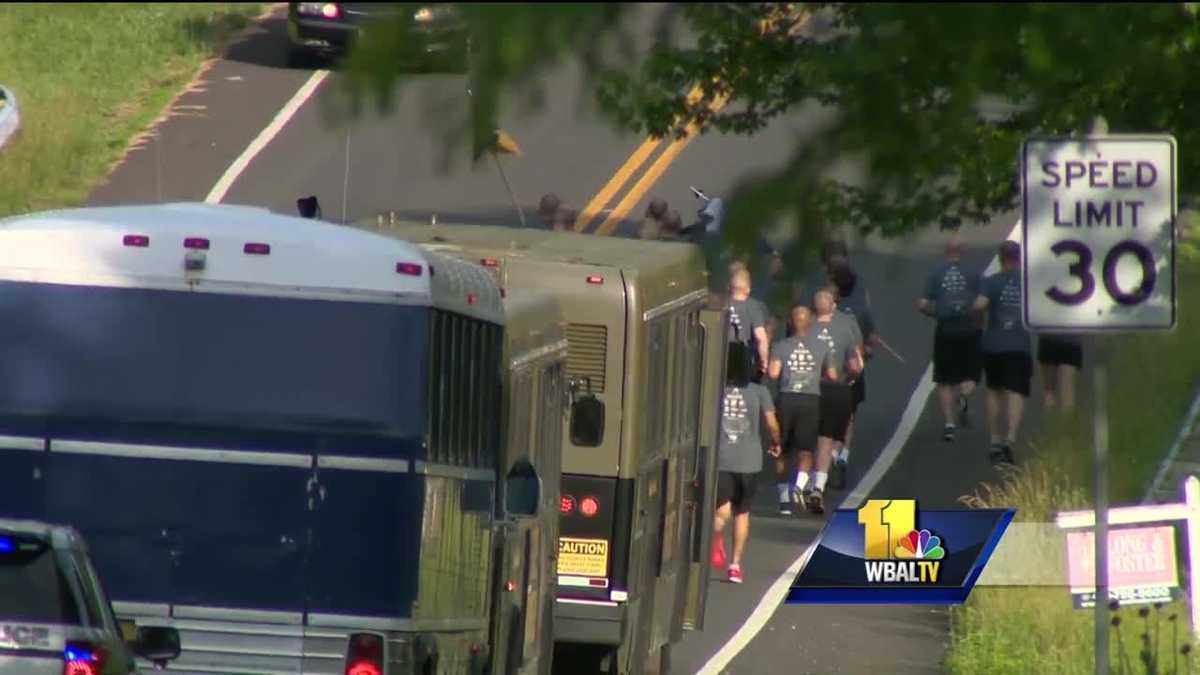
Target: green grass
87, 79
1036, 630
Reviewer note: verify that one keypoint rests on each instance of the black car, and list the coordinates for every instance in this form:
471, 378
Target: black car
331, 28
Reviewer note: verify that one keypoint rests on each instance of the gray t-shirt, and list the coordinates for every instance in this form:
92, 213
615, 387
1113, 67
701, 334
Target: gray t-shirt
804, 359
740, 447
952, 289
841, 335
855, 305
744, 317
1005, 331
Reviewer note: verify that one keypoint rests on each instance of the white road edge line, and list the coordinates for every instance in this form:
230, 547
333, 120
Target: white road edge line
779, 589
264, 137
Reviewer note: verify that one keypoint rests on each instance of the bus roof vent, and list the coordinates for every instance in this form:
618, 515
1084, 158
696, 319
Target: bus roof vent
587, 346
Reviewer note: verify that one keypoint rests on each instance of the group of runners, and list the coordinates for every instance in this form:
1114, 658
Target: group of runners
801, 393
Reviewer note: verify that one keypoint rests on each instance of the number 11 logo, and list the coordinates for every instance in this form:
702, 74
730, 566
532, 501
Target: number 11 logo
885, 522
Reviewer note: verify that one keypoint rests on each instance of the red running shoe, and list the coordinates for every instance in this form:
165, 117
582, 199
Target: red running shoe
735, 574
718, 552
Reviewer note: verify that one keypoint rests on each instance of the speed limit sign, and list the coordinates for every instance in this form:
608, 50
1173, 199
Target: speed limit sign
1099, 233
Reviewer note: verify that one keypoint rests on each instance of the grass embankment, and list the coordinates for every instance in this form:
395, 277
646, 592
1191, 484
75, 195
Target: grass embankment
1036, 630
88, 78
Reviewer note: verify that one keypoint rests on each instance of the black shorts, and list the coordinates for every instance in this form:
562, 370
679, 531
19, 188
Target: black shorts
837, 404
1058, 353
1010, 371
736, 489
956, 358
860, 390
799, 421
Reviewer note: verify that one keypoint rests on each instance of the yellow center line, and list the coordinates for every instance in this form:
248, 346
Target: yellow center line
652, 174
623, 174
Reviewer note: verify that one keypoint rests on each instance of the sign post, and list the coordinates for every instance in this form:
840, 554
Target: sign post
1099, 257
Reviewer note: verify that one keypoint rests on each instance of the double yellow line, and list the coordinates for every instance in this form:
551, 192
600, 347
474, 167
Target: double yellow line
647, 180
648, 147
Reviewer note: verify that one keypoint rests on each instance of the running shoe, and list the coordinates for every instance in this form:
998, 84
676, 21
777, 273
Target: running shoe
735, 574
1000, 454
948, 433
1007, 452
837, 477
964, 420
785, 508
816, 502
718, 552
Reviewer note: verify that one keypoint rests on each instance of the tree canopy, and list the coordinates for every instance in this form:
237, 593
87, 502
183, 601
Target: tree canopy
934, 100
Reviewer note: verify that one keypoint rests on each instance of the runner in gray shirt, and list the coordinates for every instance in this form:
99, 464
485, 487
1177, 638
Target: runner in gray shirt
799, 363
1007, 363
747, 319
739, 460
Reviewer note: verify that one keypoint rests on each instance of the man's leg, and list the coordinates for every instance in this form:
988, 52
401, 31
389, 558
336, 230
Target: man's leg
1050, 380
1066, 386
946, 397
723, 514
741, 533
994, 401
718, 537
1016, 406
783, 482
804, 467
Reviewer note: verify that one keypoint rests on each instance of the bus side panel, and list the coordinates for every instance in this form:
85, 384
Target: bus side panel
704, 484
366, 541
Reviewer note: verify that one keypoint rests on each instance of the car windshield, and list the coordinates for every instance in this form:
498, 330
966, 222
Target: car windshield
33, 589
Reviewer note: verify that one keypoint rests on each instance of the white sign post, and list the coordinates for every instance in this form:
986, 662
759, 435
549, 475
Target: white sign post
1098, 238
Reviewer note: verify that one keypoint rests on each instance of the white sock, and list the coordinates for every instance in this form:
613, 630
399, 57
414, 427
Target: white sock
844, 454
821, 478
801, 480
784, 494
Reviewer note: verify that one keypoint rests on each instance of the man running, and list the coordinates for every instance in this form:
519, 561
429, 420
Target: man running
1007, 363
1061, 358
739, 458
852, 301
798, 363
949, 294
747, 318
840, 332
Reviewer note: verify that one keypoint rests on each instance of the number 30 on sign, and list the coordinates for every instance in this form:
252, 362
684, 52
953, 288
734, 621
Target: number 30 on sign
1098, 232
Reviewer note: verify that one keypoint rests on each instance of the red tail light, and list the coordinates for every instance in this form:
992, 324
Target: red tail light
196, 242
470, 298
589, 506
411, 269
331, 11
595, 280
139, 240
489, 262
82, 659
257, 249
365, 655
566, 504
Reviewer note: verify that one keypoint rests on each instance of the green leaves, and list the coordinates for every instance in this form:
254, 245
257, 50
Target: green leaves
925, 95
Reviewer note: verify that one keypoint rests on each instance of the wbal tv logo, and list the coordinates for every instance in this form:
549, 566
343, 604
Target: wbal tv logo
895, 551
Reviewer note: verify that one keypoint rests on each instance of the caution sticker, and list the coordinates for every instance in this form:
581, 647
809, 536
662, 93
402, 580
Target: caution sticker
583, 557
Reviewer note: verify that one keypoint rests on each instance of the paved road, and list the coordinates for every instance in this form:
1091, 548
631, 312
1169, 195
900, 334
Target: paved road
395, 164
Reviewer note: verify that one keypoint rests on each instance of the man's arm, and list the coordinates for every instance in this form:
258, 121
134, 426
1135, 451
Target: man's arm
981, 303
760, 336
773, 429
775, 369
926, 307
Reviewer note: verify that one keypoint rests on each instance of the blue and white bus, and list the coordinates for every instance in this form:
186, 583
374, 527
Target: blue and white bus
280, 436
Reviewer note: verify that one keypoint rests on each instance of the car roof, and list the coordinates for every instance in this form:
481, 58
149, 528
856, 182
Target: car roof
58, 536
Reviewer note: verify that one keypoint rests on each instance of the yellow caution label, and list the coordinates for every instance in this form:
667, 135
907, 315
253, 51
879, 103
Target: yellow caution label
583, 557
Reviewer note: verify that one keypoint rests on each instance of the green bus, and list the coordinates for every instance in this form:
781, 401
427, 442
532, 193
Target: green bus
645, 368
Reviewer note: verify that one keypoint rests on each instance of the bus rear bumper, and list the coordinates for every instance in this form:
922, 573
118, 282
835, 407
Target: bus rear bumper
589, 623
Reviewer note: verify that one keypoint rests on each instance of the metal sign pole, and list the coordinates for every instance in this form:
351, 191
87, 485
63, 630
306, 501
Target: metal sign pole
1100, 471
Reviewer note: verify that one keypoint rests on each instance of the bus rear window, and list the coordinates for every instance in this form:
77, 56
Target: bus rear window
33, 589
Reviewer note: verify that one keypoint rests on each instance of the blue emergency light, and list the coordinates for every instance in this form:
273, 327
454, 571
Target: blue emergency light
6, 545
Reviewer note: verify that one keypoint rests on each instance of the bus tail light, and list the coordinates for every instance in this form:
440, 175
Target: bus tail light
595, 280
82, 659
566, 505
196, 243
138, 240
364, 656
254, 248
589, 507
411, 269
489, 262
